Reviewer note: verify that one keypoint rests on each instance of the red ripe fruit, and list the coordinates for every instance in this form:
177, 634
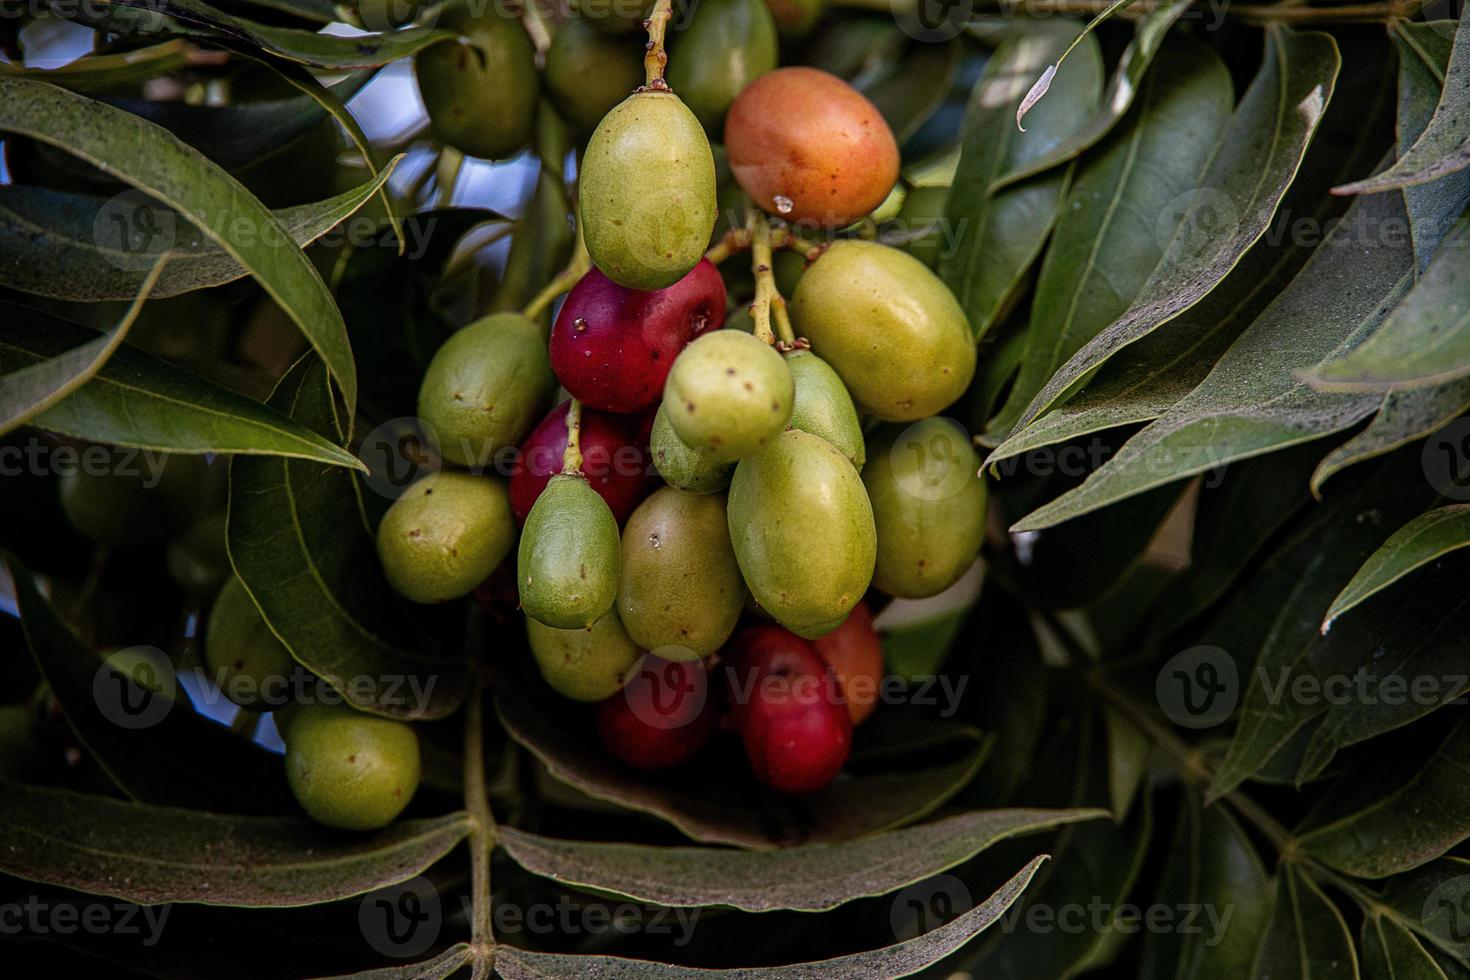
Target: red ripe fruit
789, 711
612, 347
615, 460
661, 717
855, 654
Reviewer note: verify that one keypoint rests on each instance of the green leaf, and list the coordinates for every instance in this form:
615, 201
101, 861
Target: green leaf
57, 243
1108, 240
1390, 950
299, 540
157, 162
1429, 901
1404, 417
1128, 750
1412, 826
1252, 402
809, 878
1213, 867
155, 854
916, 87
1416, 544
102, 73
445, 965
1307, 938
135, 399
900, 960
1234, 203
1000, 235
1424, 54
1444, 146
1424, 341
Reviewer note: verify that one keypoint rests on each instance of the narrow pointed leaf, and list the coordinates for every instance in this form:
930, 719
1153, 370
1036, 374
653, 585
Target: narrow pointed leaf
1404, 417
1390, 950
1424, 55
1307, 938
1416, 544
102, 73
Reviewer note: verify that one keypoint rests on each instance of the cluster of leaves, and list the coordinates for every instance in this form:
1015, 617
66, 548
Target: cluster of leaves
1264, 356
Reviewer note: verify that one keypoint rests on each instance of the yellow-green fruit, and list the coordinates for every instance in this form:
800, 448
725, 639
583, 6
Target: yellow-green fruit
198, 561
480, 89
727, 44
486, 387
681, 592
584, 664
796, 18
823, 406
803, 532
682, 467
614, 16
893, 332
349, 769
728, 395
570, 556
928, 505
242, 655
445, 535
648, 191
129, 497
588, 72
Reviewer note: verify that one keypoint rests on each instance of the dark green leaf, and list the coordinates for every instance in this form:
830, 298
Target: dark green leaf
917, 86
445, 965
102, 73
1416, 544
1404, 417
1430, 901
1307, 938
1390, 950
1424, 54
1128, 750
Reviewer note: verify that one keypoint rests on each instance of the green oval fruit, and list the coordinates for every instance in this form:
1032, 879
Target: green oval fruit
893, 332
485, 388
128, 497
445, 535
728, 394
803, 532
928, 506
682, 467
198, 561
244, 658
727, 44
480, 89
584, 664
796, 18
588, 72
570, 555
648, 192
823, 407
681, 593
351, 770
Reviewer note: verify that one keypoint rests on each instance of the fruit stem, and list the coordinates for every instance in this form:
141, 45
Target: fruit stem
534, 21
657, 59
571, 460
768, 299
482, 837
446, 174
577, 266
734, 240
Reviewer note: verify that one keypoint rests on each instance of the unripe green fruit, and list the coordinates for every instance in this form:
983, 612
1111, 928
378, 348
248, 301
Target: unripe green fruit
349, 769
20, 755
728, 395
480, 89
890, 328
928, 506
823, 406
125, 497
588, 72
648, 192
584, 664
198, 561
241, 653
681, 592
796, 18
445, 535
682, 467
485, 387
726, 45
570, 556
803, 532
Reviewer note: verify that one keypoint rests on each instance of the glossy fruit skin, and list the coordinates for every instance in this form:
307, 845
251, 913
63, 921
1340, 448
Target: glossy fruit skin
727, 44
615, 460
855, 654
445, 535
890, 328
480, 89
570, 556
796, 18
485, 387
612, 347
928, 506
662, 717
131, 498
823, 407
242, 655
680, 594
351, 770
728, 395
584, 664
811, 139
648, 191
682, 467
588, 72
789, 711
803, 532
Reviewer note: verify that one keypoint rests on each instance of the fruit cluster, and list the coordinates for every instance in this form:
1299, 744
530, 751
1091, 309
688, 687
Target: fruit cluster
703, 473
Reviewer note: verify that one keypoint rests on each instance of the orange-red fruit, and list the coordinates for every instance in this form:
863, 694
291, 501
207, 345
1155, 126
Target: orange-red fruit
809, 147
855, 654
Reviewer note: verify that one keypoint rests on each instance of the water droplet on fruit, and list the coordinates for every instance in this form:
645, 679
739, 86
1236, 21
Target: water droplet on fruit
784, 204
